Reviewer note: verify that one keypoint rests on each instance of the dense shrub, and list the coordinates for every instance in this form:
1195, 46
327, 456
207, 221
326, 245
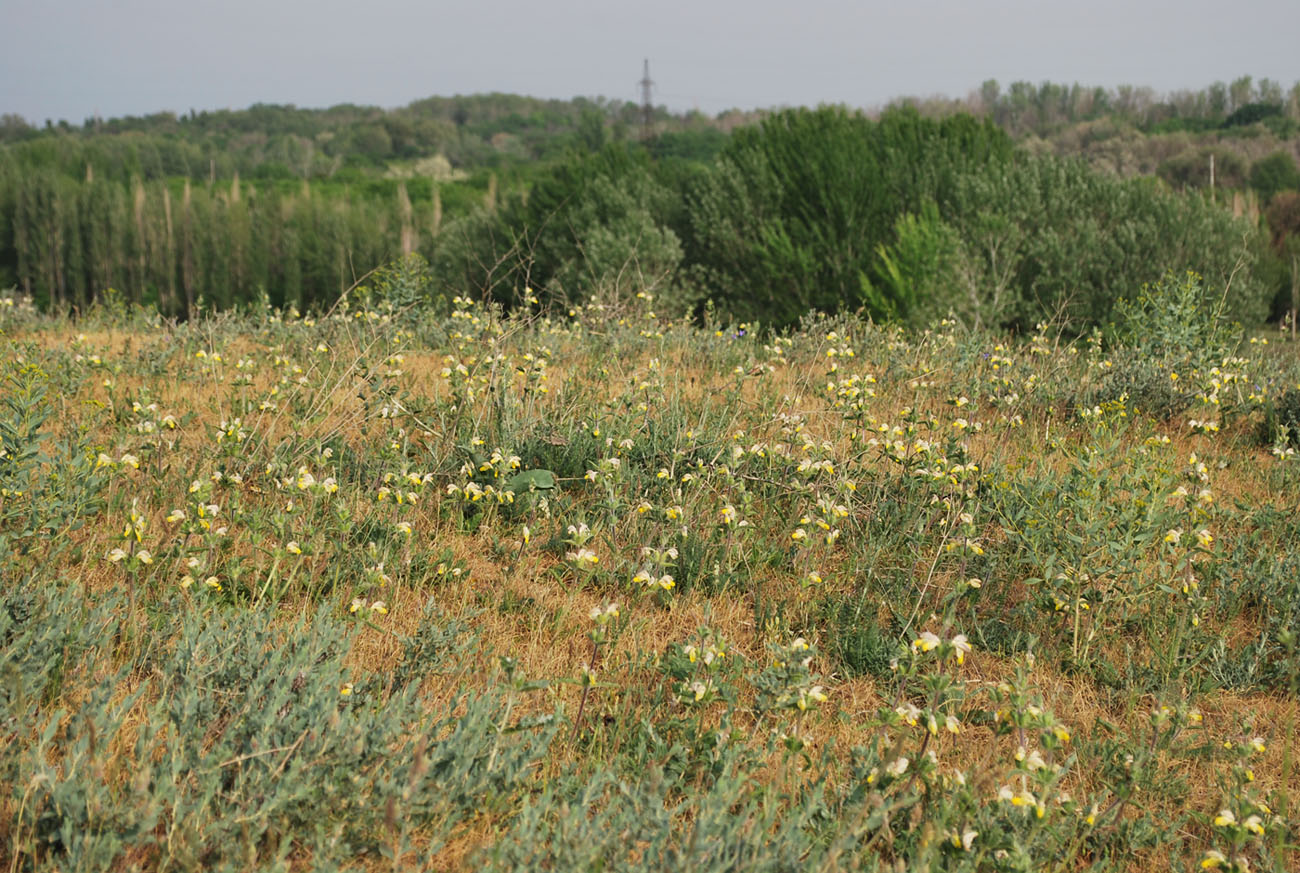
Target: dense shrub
1191, 169
1161, 341
1059, 240
794, 211
1275, 173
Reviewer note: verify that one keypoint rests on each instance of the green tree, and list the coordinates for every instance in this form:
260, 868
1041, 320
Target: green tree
920, 274
595, 224
1274, 173
1191, 168
794, 211
1084, 240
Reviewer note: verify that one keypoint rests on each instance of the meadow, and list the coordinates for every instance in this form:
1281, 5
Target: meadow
393, 587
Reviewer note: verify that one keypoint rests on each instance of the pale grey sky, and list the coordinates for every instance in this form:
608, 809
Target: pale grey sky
73, 58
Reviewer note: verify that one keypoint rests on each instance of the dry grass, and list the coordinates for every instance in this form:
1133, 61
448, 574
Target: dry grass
546, 629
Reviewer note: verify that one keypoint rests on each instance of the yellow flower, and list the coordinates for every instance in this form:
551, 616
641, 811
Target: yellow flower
583, 557
926, 642
961, 647
897, 767
293, 548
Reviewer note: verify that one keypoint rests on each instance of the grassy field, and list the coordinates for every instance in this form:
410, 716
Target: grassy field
593, 591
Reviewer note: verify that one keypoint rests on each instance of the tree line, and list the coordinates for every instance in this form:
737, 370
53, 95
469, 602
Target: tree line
1025, 108
904, 217
907, 215
181, 248
345, 141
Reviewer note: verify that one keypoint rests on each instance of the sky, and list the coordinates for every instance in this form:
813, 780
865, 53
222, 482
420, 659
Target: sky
73, 59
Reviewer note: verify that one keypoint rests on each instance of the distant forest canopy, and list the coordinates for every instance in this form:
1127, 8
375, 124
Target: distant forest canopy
349, 142
1005, 206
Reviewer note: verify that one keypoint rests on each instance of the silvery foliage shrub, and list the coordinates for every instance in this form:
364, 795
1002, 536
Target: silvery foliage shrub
1175, 326
236, 745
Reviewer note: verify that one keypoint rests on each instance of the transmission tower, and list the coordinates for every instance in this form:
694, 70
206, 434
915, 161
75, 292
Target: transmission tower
647, 109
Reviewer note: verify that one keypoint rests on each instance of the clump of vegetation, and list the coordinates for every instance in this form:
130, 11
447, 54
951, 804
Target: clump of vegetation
1173, 346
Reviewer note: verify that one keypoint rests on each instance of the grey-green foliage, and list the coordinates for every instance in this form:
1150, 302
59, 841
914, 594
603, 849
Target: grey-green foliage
602, 822
1176, 319
1173, 326
1262, 578
403, 285
246, 747
870, 820
618, 247
1058, 239
46, 633
854, 637
47, 485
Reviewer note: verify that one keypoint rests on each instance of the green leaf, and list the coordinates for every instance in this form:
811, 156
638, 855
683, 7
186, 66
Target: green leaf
531, 480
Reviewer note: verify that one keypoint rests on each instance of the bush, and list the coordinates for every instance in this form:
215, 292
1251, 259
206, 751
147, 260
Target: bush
1273, 174
1191, 169
1172, 330
1282, 420
794, 212
1060, 240
594, 225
